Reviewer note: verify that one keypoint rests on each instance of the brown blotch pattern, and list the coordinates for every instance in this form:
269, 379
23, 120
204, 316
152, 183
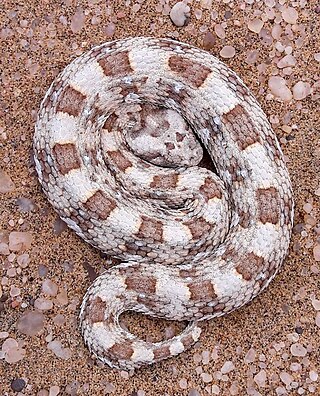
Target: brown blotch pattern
122, 351
209, 189
186, 273
162, 352
151, 229
96, 310
244, 218
116, 65
202, 291
165, 181
119, 160
187, 341
198, 227
110, 122
249, 265
66, 157
71, 101
141, 284
244, 131
193, 72
268, 201
100, 204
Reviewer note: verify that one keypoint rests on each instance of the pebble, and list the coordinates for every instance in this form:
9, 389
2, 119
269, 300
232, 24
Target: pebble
206, 377
290, 15
19, 241
313, 375
23, 260
227, 52
261, 378
180, 14
77, 21
109, 31
301, 90
215, 390
12, 352
30, 323
298, 350
57, 348
43, 304
227, 367
255, 25
25, 205
49, 288
6, 184
287, 60
250, 356
286, 378
279, 89
18, 384
316, 252
209, 41
316, 304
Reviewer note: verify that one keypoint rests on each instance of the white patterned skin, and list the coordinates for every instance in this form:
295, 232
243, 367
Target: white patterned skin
117, 151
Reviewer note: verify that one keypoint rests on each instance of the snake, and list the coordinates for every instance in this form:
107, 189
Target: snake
120, 143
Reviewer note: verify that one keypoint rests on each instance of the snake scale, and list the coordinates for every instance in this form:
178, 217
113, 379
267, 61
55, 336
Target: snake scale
119, 143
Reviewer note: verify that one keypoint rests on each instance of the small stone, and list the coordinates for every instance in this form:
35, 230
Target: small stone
193, 392
57, 348
19, 241
227, 52
59, 320
180, 14
206, 377
255, 25
316, 252
317, 56
215, 390
23, 260
183, 384
227, 367
209, 41
279, 88
31, 323
287, 60
43, 392
261, 378
77, 21
110, 29
301, 90
316, 304
25, 205
42, 270
18, 384
298, 350
54, 390
43, 304
313, 375
250, 356
6, 184
290, 15
219, 31
14, 354
49, 288
109, 388
4, 249
286, 378
59, 226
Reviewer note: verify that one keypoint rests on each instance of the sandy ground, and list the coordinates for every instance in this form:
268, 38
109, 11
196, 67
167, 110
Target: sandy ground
269, 347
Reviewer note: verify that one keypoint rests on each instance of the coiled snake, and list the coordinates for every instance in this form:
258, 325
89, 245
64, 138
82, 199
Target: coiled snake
118, 153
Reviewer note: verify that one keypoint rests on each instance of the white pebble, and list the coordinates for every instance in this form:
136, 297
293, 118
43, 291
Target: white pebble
43, 304
298, 350
316, 252
261, 378
227, 367
49, 288
30, 323
6, 184
228, 51
180, 13
290, 15
301, 90
255, 25
279, 88
287, 60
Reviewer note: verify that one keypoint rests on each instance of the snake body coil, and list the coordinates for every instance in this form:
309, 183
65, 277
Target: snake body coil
118, 154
